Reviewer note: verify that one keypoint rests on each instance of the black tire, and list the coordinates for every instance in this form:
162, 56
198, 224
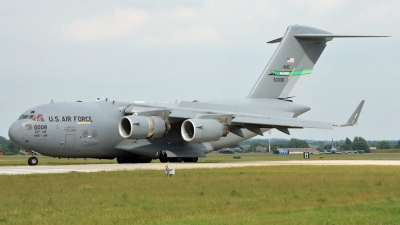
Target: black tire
190, 159
164, 160
134, 160
120, 160
33, 161
145, 160
171, 159
195, 159
175, 159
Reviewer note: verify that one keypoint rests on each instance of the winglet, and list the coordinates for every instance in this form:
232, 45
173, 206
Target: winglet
354, 117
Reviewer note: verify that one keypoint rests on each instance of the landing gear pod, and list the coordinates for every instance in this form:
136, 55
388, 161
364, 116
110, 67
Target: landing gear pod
142, 127
201, 130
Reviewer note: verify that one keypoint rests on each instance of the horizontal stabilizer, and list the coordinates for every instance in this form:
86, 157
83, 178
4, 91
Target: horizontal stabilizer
332, 36
275, 41
329, 37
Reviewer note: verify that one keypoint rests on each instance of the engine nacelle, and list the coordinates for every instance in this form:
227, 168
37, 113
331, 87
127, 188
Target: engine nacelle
201, 130
142, 127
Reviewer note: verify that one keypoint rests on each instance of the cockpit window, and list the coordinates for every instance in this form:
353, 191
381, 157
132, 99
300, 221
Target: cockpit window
40, 118
34, 117
23, 117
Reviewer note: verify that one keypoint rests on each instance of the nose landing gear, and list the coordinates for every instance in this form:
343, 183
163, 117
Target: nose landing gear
33, 161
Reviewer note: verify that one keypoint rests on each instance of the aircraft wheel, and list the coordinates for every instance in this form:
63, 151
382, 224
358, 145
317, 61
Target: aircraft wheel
190, 159
175, 159
145, 160
163, 159
172, 159
33, 161
195, 159
120, 160
134, 160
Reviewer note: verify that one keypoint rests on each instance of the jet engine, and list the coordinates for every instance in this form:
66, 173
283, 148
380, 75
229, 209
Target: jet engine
142, 127
201, 130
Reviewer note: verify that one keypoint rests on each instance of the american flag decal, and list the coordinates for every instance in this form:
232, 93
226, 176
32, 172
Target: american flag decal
290, 60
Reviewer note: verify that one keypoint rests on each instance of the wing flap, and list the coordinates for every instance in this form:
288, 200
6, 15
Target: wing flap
283, 122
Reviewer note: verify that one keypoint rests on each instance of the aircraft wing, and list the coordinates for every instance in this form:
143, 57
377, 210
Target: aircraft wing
235, 121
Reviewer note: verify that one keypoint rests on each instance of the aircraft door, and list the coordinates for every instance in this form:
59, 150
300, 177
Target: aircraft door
41, 142
69, 142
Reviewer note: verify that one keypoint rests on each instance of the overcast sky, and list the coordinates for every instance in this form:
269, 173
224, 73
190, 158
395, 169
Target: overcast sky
162, 51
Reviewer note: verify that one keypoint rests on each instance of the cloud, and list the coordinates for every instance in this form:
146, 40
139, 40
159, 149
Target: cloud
212, 23
381, 13
121, 23
196, 34
185, 15
317, 8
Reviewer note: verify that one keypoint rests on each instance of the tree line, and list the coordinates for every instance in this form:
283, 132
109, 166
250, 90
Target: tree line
358, 143
8, 147
292, 143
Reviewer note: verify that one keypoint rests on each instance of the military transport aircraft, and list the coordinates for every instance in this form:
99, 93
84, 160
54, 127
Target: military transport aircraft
333, 150
138, 132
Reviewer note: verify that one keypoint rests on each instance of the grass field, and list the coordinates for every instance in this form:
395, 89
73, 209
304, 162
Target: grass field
252, 195
211, 158
387, 151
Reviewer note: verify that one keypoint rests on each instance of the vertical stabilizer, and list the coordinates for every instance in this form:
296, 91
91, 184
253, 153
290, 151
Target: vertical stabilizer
291, 64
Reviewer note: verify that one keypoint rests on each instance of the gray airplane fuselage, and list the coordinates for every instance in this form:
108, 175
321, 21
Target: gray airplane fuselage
90, 129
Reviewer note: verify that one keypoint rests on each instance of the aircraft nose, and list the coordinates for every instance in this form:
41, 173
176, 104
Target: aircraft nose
15, 132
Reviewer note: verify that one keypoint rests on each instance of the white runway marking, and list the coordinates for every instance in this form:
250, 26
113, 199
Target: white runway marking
8, 170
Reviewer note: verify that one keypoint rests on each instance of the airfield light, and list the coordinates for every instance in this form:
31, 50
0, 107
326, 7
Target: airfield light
269, 141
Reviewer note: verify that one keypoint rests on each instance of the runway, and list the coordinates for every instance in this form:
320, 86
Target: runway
12, 170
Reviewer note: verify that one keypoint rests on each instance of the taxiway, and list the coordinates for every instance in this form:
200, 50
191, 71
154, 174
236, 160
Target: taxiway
161, 166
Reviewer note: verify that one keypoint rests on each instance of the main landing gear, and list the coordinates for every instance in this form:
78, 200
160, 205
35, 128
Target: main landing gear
163, 158
33, 161
123, 160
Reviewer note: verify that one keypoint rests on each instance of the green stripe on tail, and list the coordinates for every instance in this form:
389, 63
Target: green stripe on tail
287, 73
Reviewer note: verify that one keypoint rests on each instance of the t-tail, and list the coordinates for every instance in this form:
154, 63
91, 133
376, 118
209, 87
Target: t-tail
292, 62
